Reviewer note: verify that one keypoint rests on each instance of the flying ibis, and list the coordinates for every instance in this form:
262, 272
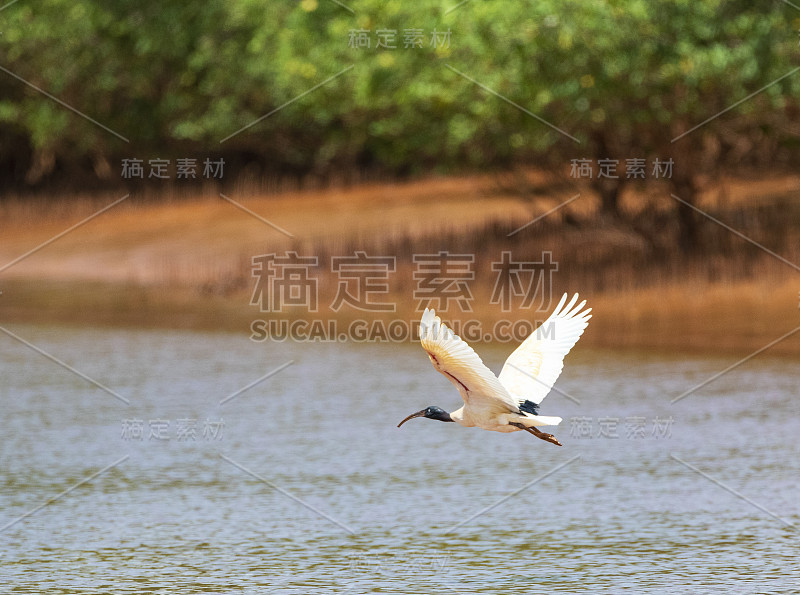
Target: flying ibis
508, 402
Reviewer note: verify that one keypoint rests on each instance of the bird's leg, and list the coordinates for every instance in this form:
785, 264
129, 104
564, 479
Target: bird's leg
539, 434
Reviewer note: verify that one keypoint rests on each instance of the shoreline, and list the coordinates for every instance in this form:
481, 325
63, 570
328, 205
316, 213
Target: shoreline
645, 320
188, 263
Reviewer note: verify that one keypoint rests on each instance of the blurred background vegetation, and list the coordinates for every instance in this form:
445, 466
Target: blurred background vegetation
622, 77
466, 135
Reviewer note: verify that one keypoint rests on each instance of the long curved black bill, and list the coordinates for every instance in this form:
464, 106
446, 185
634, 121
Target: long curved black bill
412, 416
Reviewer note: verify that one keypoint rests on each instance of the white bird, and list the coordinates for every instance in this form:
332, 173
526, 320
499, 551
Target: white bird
508, 402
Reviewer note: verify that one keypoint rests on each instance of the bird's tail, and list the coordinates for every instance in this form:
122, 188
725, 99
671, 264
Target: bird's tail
537, 420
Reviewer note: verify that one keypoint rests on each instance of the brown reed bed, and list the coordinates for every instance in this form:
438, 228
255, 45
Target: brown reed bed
647, 290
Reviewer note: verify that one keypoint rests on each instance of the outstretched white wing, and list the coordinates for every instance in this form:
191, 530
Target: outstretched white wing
530, 372
454, 358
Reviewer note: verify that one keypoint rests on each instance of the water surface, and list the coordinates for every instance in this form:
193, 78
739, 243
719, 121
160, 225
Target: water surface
302, 483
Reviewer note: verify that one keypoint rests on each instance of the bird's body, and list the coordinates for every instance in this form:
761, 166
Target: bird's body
508, 402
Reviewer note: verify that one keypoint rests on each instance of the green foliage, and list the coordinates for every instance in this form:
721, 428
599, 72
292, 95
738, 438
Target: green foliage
173, 78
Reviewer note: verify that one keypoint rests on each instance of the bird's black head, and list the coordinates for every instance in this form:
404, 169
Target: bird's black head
432, 412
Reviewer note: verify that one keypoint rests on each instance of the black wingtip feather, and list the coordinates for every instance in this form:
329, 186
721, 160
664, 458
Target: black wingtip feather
529, 407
